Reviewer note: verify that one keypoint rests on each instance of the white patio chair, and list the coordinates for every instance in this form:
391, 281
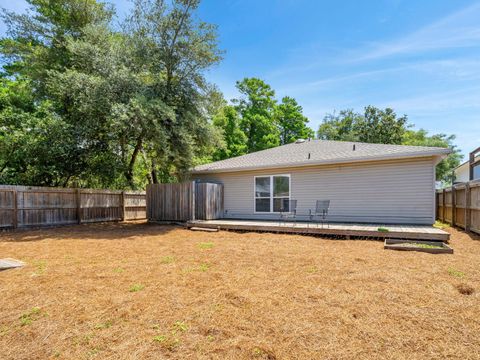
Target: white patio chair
321, 211
288, 210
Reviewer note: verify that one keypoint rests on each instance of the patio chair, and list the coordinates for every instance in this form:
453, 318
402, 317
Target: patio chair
321, 211
288, 210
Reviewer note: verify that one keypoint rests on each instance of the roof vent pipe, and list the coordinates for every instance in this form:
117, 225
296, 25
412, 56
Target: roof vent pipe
353, 147
308, 156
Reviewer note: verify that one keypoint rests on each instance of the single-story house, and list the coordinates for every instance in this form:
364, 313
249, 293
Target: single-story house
369, 183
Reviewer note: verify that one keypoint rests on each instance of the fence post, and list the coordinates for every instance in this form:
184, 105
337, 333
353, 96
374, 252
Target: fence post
468, 205
14, 210
193, 200
123, 205
454, 205
443, 205
78, 197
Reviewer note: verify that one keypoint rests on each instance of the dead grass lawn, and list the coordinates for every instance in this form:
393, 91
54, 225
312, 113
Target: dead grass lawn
138, 291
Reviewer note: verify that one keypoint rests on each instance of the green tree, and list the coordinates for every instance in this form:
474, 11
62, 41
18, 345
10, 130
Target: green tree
35, 46
381, 126
384, 127
339, 127
373, 126
235, 140
172, 49
37, 147
444, 170
256, 108
291, 122
134, 102
37, 40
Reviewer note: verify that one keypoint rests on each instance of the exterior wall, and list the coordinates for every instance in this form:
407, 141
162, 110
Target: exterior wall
401, 192
462, 173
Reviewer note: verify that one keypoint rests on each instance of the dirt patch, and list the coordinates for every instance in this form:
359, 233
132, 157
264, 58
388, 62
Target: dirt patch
465, 289
138, 291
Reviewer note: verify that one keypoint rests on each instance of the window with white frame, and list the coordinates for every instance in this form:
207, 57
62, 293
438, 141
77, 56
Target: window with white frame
272, 193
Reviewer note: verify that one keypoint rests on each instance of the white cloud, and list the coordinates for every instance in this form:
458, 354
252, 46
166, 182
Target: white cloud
458, 30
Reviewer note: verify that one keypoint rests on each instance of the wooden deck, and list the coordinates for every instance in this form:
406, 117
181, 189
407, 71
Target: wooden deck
417, 232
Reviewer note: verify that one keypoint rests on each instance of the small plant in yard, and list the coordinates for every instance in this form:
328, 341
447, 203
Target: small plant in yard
87, 337
104, 325
32, 315
203, 267
383, 229
465, 289
93, 352
456, 273
119, 270
41, 266
206, 245
160, 338
424, 246
440, 225
263, 354
136, 287
179, 326
312, 269
257, 352
167, 342
167, 260
4, 331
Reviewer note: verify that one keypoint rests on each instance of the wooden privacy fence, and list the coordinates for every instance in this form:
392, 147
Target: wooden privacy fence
22, 206
459, 205
184, 201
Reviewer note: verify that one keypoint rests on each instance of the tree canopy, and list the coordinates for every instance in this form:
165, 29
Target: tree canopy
384, 127
88, 103
256, 121
122, 106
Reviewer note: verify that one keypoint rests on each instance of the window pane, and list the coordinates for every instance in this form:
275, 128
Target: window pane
262, 187
280, 205
262, 205
281, 186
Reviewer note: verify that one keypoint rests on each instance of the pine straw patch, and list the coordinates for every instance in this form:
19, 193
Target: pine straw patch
137, 291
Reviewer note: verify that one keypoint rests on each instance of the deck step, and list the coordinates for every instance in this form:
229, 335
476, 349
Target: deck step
196, 228
432, 247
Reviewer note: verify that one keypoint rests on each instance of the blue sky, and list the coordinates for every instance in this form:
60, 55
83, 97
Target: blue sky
420, 57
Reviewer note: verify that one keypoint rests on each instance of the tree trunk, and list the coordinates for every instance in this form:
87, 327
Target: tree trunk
129, 172
154, 172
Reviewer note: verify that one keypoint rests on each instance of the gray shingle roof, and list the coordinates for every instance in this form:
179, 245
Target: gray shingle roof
316, 152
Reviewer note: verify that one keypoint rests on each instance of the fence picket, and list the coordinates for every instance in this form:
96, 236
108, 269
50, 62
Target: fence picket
23, 206
463, 210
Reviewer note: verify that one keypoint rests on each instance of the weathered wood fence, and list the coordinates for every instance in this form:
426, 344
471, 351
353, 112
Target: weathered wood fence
23, 206
459, 205
184, 201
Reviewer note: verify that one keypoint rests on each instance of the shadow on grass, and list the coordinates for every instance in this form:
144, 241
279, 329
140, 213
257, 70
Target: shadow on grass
91, 231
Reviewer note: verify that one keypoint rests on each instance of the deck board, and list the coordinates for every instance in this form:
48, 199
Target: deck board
419, 232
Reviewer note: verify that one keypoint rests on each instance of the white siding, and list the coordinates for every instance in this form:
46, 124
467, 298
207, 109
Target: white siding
382, 192
462, 173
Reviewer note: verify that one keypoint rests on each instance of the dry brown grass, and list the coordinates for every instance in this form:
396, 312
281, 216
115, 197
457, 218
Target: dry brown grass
137, 291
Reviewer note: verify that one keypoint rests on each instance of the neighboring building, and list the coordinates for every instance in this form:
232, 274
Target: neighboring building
462, 172
364, 182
